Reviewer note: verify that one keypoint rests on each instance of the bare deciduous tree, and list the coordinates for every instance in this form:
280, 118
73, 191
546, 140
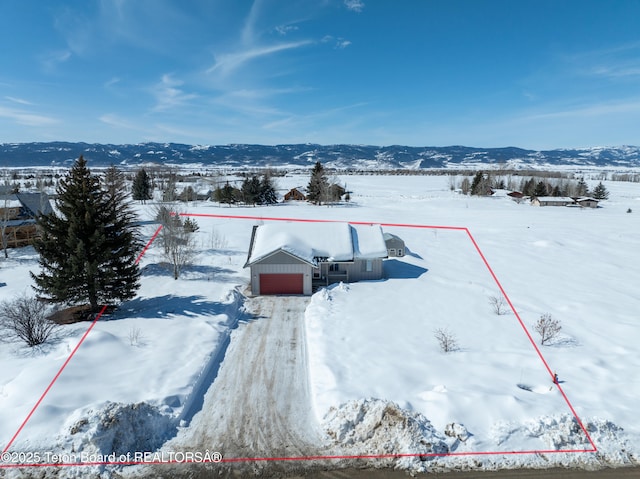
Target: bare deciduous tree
177, 239
465, 186
547, 327
25, 318
446, 340
498, 304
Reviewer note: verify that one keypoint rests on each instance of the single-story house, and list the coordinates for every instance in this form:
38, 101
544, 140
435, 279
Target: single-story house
295, 257
295, 194
18, 213
552, 201
587, 202
395, 245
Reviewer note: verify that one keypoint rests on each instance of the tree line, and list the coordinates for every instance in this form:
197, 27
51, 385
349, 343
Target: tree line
484, 183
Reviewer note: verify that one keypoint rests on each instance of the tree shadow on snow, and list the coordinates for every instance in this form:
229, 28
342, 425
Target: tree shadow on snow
169, 305
396, 269
194, 272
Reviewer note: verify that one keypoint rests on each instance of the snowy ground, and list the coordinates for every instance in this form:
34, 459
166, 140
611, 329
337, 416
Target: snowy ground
370, 343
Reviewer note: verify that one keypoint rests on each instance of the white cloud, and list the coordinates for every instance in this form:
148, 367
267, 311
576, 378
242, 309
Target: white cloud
285, 29
20, 101
338, 43
354, 5
168, 95
52, 59
595, 110
112, 82
229, 62
25, 118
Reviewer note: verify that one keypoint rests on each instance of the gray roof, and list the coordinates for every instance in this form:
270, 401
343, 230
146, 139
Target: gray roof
35, 203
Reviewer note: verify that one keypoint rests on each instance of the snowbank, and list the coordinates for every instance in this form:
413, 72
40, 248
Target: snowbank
117, 428
405, 439
378, 427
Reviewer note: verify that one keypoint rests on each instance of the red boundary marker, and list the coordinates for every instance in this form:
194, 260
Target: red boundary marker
310, 458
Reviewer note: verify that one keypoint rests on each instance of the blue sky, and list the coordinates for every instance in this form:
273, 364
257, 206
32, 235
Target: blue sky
529, 73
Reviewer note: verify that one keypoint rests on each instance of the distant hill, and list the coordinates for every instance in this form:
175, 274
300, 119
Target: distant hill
303, 155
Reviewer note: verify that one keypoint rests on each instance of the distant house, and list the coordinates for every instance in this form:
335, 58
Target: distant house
552, 201
587, 202
18, 213
395, 245
295, 194
516, 195
293, 258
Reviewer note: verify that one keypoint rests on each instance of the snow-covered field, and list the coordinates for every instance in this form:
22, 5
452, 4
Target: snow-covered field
375, 341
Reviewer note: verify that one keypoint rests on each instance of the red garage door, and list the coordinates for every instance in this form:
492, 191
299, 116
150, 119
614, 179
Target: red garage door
281, 284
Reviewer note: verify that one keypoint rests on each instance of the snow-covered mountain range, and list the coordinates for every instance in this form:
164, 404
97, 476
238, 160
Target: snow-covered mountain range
360, 157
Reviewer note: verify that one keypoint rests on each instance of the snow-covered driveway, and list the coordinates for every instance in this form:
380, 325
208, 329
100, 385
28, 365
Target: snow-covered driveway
259, 405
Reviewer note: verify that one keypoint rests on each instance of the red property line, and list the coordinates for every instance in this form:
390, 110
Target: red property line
533, 343
307, 458
84, 336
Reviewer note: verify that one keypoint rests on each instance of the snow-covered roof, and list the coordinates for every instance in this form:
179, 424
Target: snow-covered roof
10, 201
586, 198
554, 199
310, 241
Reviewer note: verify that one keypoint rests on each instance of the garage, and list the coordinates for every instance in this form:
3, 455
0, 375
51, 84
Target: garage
281, 284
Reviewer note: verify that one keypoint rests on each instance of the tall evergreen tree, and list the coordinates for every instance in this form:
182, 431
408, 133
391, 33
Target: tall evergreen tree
600, 192
251, 190
267, 190
88, 250
318, 185
141, 187
541, 189
582, 189
481, 184
529, 187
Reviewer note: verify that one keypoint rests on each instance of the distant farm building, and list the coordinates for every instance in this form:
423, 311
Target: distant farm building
395, 245
295, 194
516, 196
552, 201
18, 213
295, 258
587, 202
584, 202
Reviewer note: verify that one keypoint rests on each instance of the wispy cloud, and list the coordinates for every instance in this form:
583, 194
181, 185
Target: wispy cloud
19, 101
51, 60
113, 81
594, 110
613, 62
285, 29
338, 43
169, 94
354, 5
229, 62
628, 70
22, 117
248, 31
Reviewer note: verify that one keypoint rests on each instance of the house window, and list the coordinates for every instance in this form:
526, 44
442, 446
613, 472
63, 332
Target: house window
392, 251
334, 267
400, 252
316, 273
369, 266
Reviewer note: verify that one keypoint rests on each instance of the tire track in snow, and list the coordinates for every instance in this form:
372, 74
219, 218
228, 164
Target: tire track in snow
259, 406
